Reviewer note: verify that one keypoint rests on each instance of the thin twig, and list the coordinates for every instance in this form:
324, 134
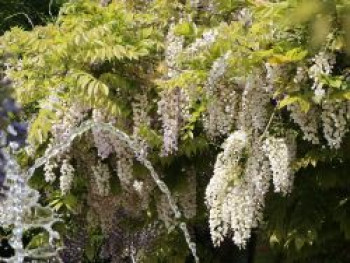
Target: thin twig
50, 6
268, 125
21, 13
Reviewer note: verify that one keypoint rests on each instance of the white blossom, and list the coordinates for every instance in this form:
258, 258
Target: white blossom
226, 171
308, 122
173, 104
66, 178
244, 203
281, 152
245, 16
124, 162
300, 76
69, 119
195, 3
235, 194
173, 47
253, 115
221, 100
61, 130
202, 43
141, 120
173, 109
335, 116
322, 65
138, 186
101, 176
102, 139
49, 173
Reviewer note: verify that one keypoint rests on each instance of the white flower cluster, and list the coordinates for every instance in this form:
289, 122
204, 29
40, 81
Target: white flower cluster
60, 132
49, 173
226, 171
107, 144
307, 122
173, 106
141, 119
222, 101
66, 178
323, 65
125, 161
242, 209
101, 178
236, 193
253, 111
202, 43
218, 69
221, 111
68, 120
138, 186
300, 76
281, 152
335, 117
173, 47
143, 188
173, 109
102, 138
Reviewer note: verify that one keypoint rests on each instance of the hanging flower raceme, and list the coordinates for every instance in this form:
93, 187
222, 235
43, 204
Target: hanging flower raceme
281, 153
101, 177
141, 121
173, 110
236, 193
335, 118
322, 66
226, 171
308, 122
201, 44
244, 202
103, 142
173, 104
67, 175
221, 100
253, 114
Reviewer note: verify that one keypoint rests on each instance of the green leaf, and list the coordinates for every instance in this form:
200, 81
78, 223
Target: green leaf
71, 202
39, 240
184, 29
301, 100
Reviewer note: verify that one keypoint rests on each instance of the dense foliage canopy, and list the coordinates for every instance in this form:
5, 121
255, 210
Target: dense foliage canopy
157, 125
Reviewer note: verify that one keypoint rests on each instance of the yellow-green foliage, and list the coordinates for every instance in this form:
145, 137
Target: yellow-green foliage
103, 56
